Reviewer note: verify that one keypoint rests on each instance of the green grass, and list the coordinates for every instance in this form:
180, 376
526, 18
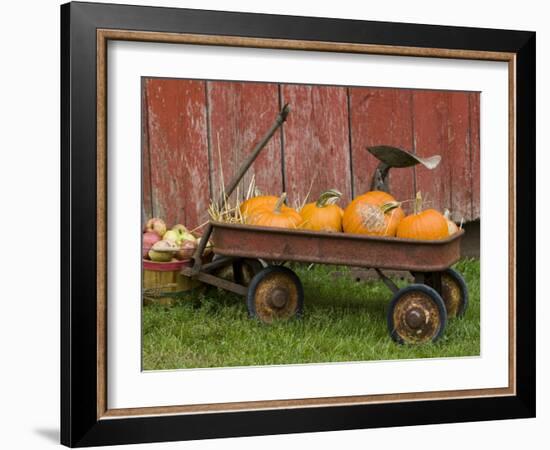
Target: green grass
344, 320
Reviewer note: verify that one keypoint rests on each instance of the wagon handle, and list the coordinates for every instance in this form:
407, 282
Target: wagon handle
281, 117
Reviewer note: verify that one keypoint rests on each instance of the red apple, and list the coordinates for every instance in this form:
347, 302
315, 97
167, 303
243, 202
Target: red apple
149, 239
187, 249
156, 225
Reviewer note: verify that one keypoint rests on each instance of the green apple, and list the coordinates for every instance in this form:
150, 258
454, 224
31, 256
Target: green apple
183, 233
187, 237
160, 256
180, 228
171, 235
163, 251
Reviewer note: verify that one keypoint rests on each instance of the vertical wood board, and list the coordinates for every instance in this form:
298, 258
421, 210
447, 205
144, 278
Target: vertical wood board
316, 142
430, 112
239, 116
146, 194
178, 150
475, 154
459, 155
380, 117
442, 126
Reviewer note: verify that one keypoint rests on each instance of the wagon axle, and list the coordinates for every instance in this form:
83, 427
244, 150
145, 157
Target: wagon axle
415, 318
278, 298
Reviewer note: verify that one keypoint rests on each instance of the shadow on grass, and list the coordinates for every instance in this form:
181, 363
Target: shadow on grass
344, 320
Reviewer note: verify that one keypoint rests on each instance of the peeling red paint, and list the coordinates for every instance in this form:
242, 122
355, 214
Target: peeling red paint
178, 150
239, 115
316, 141
431, 132
442, 126
474, 153
380, 117
323, 143
459, 156
146, 194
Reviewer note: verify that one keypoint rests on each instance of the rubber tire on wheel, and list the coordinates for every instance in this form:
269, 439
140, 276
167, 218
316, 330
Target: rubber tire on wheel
416, 315
274, 293
454, 280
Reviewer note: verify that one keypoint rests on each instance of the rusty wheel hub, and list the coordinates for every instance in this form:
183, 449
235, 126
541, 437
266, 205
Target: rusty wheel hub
276, 297
416, 318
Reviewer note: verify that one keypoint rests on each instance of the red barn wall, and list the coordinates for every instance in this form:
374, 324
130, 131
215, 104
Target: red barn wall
193, 130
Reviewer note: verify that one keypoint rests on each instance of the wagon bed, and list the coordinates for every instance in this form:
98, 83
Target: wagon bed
280, 244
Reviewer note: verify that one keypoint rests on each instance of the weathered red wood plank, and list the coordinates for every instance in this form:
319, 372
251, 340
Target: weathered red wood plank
459, 156
178, 150
430, 112
316, 141
146, 195
380, 117
240, 114
442, 126
475, 154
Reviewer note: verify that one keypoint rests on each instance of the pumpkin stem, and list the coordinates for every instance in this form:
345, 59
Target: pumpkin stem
279, 203
390, 206
418, 203
329, 197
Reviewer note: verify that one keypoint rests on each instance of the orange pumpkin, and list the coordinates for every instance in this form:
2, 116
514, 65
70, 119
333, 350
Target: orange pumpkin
324, 214
452, 227
275, 216
375, 213
427, 225
248, 206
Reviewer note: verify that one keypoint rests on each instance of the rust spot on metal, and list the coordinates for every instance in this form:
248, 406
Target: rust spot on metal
416, 318
335, 248
276, 297
451, 294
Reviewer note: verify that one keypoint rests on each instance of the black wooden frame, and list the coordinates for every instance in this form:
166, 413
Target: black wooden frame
79, 423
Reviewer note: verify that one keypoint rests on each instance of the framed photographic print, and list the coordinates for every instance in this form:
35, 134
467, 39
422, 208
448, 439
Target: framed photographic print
277, 224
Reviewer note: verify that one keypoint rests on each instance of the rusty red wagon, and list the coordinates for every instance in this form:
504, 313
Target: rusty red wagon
417, 313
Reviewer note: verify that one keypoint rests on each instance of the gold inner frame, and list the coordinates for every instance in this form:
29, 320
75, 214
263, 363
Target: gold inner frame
103, 36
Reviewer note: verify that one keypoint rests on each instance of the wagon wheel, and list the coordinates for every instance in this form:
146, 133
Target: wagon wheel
275, 293
454, 292
452, 288
416, 315
245, 269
